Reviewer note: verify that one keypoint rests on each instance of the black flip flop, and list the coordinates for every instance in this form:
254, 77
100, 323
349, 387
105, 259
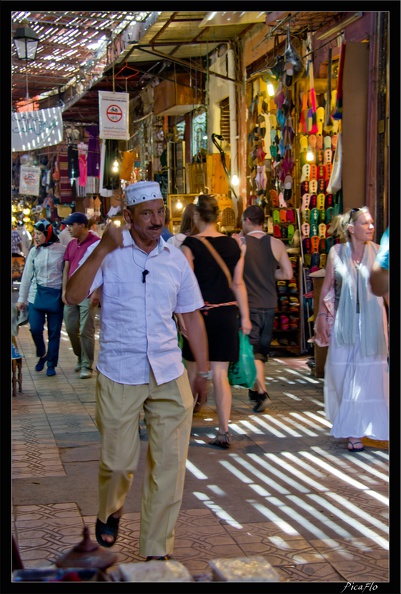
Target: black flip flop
353, 448
109, 529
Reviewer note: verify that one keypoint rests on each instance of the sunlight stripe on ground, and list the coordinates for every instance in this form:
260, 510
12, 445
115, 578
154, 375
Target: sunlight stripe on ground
306, 420
342, 476
303, 477
320, 517
358, 511
270, 515
300, 428
281, 475
260, 475
352, 521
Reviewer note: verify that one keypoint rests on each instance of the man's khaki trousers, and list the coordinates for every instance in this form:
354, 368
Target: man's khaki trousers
168, 415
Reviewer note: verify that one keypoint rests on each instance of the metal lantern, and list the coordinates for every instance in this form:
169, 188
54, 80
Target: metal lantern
26, 43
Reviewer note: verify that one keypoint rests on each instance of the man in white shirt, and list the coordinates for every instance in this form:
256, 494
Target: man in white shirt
143, 282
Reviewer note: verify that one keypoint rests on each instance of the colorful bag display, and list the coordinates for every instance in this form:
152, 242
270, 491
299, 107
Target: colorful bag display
243, 372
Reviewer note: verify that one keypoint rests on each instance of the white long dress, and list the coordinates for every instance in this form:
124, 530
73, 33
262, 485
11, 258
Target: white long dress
356, 391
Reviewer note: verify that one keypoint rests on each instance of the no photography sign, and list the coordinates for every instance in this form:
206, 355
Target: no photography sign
113, 115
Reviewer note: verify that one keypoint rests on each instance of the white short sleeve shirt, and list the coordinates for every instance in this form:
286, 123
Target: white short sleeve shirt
137, 326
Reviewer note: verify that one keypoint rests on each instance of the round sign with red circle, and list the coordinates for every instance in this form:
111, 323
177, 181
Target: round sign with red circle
114, 113
30, 179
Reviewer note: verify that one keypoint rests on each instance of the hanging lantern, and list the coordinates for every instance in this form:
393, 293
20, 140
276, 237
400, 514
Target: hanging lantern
26, 42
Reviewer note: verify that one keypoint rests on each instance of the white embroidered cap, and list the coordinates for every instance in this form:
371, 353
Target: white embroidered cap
142, 191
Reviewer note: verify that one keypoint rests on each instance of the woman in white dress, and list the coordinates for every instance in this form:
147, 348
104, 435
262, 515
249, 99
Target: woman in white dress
356, 388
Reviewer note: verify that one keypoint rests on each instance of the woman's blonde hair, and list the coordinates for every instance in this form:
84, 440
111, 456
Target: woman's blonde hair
340, 223
188, 226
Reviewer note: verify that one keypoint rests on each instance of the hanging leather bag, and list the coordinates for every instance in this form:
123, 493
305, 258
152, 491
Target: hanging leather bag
292, 56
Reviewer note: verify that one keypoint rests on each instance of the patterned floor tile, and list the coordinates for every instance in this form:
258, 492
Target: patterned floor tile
355, 558
309, 572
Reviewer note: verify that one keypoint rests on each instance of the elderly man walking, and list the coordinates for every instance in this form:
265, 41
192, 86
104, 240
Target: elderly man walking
144, 281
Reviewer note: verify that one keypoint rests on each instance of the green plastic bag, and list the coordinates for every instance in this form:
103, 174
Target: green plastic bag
243, 372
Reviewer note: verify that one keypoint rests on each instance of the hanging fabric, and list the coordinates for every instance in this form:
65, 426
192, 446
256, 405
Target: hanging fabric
66, 193
82, 162
102, 190
111, 179
328, 121
312, 119
73, 165
338, 112
93, 160
335, 182
127, 164
302, 127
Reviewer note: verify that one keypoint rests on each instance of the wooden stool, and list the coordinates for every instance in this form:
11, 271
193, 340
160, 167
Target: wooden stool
16, 369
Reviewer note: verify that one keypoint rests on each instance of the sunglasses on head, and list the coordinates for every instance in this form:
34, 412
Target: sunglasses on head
353, 210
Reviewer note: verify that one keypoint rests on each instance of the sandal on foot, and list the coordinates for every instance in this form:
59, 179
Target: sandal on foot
353, 448
222, 440
109, 529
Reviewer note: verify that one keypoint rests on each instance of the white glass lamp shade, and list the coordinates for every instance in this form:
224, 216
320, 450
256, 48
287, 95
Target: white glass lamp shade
26, 43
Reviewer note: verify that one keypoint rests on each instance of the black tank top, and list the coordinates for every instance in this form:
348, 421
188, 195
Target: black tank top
259, 270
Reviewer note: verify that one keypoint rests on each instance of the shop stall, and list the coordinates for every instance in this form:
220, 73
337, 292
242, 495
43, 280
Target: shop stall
307, 117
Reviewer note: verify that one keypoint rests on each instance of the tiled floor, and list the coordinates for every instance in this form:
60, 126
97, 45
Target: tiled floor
286, 489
